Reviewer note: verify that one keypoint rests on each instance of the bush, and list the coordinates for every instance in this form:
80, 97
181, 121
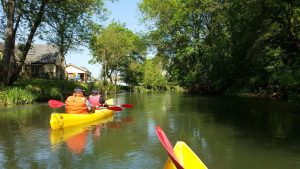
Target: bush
50, 89
55, 93
16, 96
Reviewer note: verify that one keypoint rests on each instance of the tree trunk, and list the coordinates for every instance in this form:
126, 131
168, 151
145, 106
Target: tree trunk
12, 63
9, 46
60, 72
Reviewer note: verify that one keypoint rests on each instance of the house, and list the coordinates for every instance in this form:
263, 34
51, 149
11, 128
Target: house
43, 61
77, 73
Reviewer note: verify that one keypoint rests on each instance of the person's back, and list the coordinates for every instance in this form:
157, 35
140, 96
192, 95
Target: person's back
96, 99
77, 103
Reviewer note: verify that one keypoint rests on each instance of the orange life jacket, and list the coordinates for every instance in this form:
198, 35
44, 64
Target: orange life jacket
77, 143
76, 104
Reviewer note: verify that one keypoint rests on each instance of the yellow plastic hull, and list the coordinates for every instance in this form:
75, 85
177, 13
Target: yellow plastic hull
63, 120
186, 157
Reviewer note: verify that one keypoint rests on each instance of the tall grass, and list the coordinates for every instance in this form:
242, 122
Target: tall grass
50, 89
16, 95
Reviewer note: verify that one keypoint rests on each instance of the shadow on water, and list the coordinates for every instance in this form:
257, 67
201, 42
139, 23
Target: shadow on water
257, 118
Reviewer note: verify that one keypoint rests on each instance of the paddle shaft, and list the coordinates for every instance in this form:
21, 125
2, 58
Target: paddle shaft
168, 146
57, 104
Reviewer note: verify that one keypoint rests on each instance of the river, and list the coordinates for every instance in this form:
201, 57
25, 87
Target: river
226, 133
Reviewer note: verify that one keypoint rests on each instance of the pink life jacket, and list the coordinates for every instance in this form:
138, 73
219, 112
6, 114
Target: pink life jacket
94, 100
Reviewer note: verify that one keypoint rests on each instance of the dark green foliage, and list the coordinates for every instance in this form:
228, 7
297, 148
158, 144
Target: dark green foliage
237, 46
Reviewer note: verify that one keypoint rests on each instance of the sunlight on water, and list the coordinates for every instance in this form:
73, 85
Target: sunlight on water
225, 133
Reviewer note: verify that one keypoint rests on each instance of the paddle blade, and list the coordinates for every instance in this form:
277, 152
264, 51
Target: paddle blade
110, 102
127, 105
55, 103
168, 146
115, 108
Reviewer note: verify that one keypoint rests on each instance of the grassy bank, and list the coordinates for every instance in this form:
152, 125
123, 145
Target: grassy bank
42, 90
49, 89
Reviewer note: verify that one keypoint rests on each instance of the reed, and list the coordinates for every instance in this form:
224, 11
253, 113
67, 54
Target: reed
16, 95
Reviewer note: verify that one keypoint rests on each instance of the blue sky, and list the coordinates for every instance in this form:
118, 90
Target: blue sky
124, 11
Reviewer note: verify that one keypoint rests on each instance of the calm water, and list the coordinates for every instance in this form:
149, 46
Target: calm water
226, 133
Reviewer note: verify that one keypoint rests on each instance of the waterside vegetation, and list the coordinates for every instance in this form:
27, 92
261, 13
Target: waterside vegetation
209, 47
228, 47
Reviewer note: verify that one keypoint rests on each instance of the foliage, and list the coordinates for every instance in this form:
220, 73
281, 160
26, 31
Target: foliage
153, 75
104, 87
140, 89
64, 23
68, 24
20, 21
16, 95
119, 50
50, 89
222, 46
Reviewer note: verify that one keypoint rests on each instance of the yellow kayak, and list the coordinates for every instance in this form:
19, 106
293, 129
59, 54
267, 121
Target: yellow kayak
186, 157
63, 120
59, 135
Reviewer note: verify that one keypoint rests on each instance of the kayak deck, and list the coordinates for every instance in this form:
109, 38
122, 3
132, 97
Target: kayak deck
186, 157
63, 120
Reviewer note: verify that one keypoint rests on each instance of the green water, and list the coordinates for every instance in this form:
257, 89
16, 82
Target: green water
226, 133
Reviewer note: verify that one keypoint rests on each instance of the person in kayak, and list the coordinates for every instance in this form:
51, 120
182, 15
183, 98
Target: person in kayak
77, 103
96, 99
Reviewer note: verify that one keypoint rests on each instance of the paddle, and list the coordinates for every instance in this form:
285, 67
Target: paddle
115, 108
168, 146
57, 104
127, 105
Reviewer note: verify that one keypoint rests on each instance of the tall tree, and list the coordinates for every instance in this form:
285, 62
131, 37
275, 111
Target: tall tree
222, 46
187, 32
69, 25
29, 14
116, 47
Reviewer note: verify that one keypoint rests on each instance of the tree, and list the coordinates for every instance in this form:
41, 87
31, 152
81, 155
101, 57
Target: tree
187, 32
118, 49
153, 75
69, 25
228, 46
29, 14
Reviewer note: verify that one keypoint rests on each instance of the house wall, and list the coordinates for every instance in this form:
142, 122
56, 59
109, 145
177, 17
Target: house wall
74, 73
49, 68
71, 69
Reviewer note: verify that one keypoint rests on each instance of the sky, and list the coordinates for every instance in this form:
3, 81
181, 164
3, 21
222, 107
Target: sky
124, 11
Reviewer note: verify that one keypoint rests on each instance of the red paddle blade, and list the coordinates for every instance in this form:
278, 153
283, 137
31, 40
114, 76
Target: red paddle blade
115, 108
127, 105
55, 103
168, 146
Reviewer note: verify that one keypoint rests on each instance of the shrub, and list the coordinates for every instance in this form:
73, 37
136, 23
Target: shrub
55, 93
17, 95
44, 91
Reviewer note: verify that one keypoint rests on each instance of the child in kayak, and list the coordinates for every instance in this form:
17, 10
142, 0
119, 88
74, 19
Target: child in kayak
96, 99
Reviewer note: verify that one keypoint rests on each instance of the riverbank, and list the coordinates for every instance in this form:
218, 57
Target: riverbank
42, 90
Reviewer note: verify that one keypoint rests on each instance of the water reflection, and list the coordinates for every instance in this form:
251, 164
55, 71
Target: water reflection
76, 136
119, 120
224, 132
